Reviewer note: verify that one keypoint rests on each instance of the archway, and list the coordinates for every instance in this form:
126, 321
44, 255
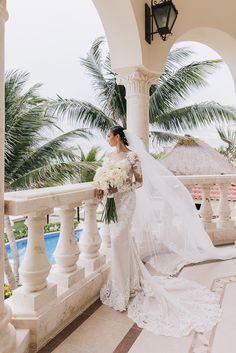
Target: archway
122, 33
220, 41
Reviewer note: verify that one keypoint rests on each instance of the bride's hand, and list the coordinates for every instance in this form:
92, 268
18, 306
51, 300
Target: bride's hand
112, 190
99, 193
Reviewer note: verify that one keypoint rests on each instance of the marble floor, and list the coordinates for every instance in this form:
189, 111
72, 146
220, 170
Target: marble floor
101, 329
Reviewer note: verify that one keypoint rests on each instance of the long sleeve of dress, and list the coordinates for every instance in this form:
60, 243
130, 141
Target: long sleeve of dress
137, 170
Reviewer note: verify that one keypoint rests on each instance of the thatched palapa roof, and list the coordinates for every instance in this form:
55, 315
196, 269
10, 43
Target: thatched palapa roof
191, 156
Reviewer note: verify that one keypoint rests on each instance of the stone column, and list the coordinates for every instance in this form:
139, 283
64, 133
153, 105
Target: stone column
8, 339
90, 240
66, 272
137, 84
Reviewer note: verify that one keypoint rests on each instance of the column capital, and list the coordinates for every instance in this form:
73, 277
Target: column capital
3, 11
138, 81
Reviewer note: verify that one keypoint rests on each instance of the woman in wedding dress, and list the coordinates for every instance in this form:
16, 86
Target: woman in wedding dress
158, 228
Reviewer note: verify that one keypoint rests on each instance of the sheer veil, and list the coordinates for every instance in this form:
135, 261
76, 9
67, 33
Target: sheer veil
166, 227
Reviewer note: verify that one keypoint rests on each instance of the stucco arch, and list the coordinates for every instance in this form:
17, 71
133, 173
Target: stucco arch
221, 42
123, 23
121, 30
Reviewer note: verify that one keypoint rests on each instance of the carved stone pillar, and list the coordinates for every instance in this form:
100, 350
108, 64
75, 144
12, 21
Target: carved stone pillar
137, 84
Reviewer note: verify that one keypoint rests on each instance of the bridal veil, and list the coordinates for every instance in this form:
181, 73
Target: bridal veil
167, 229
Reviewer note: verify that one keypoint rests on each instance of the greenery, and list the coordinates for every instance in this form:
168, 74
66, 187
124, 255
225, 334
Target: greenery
91, 157
187, 140
32, 159
158, 155
168, 116
20, 229
7, 291
229, 138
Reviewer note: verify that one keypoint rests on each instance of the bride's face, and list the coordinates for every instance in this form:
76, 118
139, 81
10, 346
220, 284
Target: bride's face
112, 139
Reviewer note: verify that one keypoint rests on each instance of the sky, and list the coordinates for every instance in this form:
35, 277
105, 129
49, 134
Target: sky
47, 38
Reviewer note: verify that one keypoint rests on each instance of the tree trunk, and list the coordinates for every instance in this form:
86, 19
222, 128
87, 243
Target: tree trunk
8, 271
12, 242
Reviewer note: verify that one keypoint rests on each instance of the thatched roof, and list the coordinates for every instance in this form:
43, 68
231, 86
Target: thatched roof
191, 156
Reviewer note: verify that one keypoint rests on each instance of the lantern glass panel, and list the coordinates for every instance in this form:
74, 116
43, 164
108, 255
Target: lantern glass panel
160, 14
172, 17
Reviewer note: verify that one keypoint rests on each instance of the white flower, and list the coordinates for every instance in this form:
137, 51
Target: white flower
111, 174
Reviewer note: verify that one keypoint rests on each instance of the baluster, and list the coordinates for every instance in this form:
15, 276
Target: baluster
90, 240
66, 272
225, 220
35, 291
206, 209
106, 239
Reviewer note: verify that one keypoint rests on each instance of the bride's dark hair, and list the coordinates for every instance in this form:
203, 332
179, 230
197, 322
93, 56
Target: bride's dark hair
119, 130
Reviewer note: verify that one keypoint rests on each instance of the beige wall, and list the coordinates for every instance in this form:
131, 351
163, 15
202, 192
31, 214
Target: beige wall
209, 22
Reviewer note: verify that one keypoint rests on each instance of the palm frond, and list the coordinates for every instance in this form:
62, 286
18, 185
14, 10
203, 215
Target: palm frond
91, 155
46, 175
227, 135
177, 58
95, 54
162, 137
84, 112
93, 64
31, 160
111, 97
23, 135
52, 150
176, 87
194, 116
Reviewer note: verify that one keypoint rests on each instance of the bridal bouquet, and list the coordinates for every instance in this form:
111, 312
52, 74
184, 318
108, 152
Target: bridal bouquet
111, 175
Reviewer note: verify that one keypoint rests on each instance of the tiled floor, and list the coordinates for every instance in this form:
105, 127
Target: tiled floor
101, 329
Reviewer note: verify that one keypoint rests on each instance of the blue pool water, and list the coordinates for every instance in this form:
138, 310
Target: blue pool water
50, 245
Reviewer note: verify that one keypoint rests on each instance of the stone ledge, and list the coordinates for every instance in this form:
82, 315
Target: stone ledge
22, 341
71, 303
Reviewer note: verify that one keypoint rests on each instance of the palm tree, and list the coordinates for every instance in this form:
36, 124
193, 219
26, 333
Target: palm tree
91, 158
228, 136
167, 118
32, 159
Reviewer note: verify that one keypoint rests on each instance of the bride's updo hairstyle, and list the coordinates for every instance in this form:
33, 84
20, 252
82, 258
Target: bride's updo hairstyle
119, 130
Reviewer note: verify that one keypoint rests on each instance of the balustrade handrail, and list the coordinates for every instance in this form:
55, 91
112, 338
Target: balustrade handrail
28, 201
208, 179
33, 200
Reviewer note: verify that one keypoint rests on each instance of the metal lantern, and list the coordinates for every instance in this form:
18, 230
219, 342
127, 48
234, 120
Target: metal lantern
164, 14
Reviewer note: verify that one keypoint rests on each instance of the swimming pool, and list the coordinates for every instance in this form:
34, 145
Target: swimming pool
50, 245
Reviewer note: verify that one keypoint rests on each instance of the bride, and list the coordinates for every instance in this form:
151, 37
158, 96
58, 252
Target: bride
157, 233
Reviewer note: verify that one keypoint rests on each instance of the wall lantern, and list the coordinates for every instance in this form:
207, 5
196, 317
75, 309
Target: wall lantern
164, 13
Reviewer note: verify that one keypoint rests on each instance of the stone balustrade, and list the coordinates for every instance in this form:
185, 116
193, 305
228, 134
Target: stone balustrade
218, 217
52, 296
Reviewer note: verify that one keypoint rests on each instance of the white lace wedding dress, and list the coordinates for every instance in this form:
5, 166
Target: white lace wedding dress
162, 304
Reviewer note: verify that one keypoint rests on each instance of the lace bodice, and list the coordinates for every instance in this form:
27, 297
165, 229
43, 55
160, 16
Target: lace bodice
133, 169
